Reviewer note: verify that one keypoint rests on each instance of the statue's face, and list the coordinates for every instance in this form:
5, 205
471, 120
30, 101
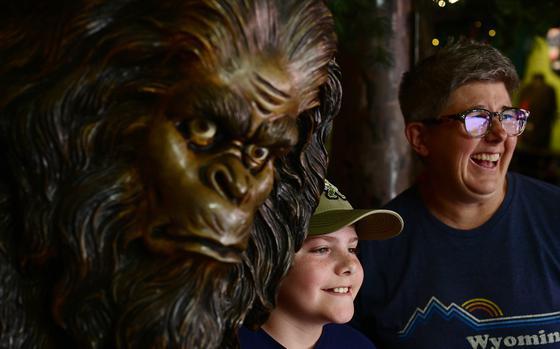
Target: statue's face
209, 161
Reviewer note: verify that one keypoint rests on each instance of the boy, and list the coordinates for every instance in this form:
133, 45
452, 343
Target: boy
316, 297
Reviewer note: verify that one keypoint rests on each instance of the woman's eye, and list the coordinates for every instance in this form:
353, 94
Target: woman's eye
353, 250
201, 132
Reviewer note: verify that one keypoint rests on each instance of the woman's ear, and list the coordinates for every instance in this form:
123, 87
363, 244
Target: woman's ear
416, 134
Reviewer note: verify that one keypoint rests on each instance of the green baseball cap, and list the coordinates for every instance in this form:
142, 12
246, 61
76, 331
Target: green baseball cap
335, 212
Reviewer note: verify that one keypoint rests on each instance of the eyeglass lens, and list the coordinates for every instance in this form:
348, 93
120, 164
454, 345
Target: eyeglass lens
477, 122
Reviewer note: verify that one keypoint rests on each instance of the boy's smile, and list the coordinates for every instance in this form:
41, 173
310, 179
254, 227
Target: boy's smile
340, 290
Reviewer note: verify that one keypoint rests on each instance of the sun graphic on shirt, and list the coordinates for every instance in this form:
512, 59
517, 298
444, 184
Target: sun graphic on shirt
482, 306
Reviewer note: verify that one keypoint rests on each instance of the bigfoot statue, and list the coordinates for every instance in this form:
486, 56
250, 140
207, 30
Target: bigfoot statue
160, 160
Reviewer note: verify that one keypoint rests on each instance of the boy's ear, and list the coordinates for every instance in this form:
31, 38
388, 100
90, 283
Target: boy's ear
416, 134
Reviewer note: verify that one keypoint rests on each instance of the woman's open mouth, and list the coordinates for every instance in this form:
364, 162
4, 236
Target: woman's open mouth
487, 160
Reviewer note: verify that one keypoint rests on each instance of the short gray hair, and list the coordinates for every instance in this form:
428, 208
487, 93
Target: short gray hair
425, 89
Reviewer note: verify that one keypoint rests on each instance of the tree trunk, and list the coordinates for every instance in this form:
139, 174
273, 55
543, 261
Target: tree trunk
370, 157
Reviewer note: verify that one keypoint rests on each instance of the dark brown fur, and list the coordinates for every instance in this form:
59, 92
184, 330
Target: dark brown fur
79, 81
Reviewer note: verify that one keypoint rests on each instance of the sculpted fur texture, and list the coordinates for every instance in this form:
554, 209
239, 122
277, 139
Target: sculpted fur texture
161, 160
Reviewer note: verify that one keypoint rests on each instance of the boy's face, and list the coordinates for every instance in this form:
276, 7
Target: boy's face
324, 280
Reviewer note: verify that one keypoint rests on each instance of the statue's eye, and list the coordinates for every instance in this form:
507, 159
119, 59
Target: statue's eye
256, 155
201, 132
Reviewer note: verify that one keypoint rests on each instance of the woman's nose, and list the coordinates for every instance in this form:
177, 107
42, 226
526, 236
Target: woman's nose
497, 131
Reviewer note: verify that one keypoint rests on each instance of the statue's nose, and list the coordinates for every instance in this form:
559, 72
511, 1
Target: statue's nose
228, 177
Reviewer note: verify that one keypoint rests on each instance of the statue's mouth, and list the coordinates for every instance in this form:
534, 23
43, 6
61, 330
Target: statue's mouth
167, 240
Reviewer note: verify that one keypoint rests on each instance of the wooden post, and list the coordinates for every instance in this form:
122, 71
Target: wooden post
370, 157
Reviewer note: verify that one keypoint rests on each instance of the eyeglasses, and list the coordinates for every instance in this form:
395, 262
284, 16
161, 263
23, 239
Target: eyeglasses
478, 122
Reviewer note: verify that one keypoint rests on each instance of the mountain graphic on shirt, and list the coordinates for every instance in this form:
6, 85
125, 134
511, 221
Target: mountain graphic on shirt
464, 315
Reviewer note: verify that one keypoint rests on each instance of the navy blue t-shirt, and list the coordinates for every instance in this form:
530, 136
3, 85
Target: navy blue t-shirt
496, 286
334, 336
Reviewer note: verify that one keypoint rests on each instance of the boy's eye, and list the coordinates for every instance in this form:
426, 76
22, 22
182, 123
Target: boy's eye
320, 250
353, 250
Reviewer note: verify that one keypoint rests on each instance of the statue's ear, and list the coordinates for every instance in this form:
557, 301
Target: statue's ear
416, 134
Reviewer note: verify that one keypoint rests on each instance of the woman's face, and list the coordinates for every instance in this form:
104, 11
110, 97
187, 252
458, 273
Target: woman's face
472, 169
321, 285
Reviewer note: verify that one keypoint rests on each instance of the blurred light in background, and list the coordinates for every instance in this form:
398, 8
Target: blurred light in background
442, 3
553, 41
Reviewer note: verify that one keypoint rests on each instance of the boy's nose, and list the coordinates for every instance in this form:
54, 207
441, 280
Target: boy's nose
348, 265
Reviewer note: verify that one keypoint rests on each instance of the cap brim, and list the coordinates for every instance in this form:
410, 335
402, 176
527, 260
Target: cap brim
371, 224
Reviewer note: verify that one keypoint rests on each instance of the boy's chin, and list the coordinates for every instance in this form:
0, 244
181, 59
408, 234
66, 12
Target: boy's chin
341, 317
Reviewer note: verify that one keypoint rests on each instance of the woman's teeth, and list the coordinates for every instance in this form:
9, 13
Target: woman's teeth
486, 157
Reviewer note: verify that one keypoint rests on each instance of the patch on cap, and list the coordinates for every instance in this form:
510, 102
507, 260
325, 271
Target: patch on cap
334, 212
331, 192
